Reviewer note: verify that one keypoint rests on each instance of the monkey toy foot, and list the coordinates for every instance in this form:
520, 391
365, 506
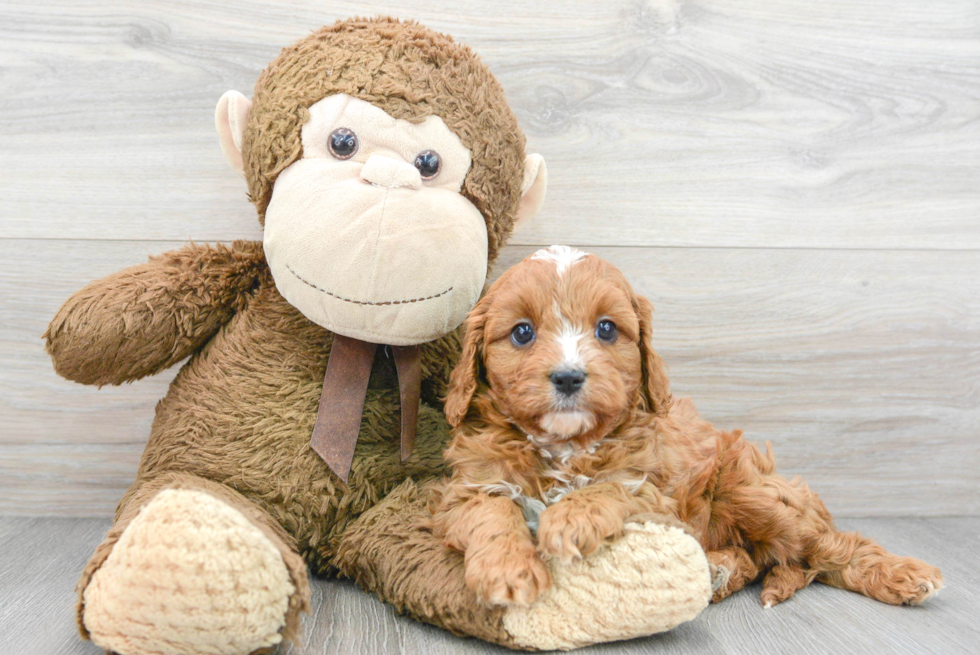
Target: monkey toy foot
651, 579
189, 574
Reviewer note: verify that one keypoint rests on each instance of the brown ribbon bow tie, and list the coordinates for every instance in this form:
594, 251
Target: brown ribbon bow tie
338, 419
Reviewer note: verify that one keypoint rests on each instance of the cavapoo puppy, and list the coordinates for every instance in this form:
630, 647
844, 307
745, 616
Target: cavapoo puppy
565, 429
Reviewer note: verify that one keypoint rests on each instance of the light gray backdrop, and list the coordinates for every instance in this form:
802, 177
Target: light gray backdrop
795, 185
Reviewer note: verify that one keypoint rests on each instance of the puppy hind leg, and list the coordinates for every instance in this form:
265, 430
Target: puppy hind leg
731, 569
781, 519
790, 527
782, 581
851, 561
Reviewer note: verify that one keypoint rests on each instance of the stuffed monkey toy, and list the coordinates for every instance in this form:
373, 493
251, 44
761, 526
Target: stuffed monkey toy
387, 170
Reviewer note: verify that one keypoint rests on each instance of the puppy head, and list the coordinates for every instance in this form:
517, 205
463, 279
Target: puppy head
562, 343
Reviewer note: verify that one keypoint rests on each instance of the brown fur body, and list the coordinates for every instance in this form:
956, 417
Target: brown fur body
637, 453
241, 410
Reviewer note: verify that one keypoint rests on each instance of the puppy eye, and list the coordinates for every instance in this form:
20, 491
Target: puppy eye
606, 331
429, 164
342, 143
522, 334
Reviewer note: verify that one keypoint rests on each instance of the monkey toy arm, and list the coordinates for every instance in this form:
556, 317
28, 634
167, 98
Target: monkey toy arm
146, 318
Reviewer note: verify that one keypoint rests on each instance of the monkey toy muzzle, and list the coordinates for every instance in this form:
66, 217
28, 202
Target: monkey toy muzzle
361, 242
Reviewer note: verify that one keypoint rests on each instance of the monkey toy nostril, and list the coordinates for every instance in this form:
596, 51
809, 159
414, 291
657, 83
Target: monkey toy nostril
567, 382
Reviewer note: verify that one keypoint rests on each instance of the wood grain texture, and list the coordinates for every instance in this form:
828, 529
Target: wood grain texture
40, 560
794, 184
862, 368
668, 122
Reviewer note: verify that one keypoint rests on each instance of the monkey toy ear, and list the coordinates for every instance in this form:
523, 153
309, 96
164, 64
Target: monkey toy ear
532, 190
230, 117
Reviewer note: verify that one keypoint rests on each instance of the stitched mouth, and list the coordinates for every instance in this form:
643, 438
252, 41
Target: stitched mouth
365, 302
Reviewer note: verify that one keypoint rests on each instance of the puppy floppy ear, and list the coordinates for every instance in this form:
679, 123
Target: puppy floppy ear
465, 377
654, 388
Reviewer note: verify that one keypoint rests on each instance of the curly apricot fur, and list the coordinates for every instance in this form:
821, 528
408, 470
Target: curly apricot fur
645, 453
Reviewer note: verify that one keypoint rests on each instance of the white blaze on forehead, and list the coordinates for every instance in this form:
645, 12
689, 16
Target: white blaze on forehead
563, 257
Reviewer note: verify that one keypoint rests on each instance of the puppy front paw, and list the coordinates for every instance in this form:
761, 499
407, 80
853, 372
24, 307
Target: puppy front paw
571, 531
506, 571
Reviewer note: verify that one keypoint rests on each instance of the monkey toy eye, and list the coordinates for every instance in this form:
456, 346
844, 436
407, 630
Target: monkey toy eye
428, 162
522, 334
606, 331
342, 143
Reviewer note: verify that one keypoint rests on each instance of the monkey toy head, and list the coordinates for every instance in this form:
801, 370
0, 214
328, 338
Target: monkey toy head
387, 170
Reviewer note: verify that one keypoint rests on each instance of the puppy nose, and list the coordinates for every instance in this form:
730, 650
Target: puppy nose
568, 382
392, 173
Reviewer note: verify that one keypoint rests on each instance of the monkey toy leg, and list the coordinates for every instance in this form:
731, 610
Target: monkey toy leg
192, 566
653, 578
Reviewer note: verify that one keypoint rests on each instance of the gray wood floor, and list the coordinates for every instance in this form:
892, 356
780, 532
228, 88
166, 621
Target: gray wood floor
40, 559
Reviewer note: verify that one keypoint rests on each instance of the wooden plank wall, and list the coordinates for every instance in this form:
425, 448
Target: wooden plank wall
795, 185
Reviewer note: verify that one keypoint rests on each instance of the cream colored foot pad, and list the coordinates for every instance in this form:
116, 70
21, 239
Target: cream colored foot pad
189, 576
652, 579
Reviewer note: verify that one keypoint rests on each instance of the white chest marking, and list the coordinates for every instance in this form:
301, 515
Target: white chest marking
560, 450
531, 506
